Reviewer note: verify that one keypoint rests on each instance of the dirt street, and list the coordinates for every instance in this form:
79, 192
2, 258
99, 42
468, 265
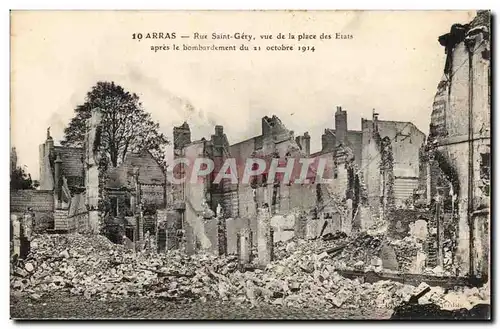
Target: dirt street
70, 307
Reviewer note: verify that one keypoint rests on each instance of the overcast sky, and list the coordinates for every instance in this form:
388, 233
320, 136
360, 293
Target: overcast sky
392, 64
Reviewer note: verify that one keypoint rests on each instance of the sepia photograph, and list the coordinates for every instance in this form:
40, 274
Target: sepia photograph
250, 165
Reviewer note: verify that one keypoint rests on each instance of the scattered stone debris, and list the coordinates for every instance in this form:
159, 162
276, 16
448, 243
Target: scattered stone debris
362, 251
305, 275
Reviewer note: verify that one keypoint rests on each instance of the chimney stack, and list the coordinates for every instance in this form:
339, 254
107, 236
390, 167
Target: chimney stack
375, 121
57, 180
219, 130
340, 125
182, 136
328, 141
304, 142
307, 142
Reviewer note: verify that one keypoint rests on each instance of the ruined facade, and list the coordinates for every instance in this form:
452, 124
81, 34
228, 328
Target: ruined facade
362, 170
275, 142
457, 155
367, 173
331, 138
390, 162
195, 203
89, 196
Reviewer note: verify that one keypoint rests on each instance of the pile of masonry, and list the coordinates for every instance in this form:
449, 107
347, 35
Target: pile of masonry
363, 251
304, 275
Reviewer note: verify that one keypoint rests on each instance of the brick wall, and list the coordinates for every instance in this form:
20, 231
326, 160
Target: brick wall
403, 189
61, 221
21, 200
153, 194
81, 222
42, 203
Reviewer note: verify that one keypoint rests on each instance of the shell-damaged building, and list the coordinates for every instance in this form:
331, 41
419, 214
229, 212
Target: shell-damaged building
355, 180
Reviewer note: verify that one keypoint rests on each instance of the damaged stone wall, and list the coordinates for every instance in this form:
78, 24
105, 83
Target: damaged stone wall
371, 166
328, 141
344, 200
193, 201
387, 178
95, 166
340, 167
467, 135
41, 204
223, 193
340, 197
274, 133
194, 195
304, 143
103, 201
390, 164
78, 214
46, 179
236, 225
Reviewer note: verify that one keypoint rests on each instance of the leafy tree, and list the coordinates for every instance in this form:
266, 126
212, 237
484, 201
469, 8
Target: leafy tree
20, 179
126, 127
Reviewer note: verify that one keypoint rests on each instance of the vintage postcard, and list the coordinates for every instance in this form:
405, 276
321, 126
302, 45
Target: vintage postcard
250, 165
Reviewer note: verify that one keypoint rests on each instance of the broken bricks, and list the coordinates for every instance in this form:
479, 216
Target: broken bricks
303, 276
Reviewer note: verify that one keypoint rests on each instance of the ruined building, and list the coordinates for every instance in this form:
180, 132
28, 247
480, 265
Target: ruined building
390, 162
367, 174
195, 202
456, 159
370, 173
82, 195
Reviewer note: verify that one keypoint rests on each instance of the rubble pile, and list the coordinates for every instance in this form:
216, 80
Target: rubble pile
305, 276
284, 249
433, 304
311, 280
92, 266
312, 266
362, 251
357, 252
406, 252
462, 297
